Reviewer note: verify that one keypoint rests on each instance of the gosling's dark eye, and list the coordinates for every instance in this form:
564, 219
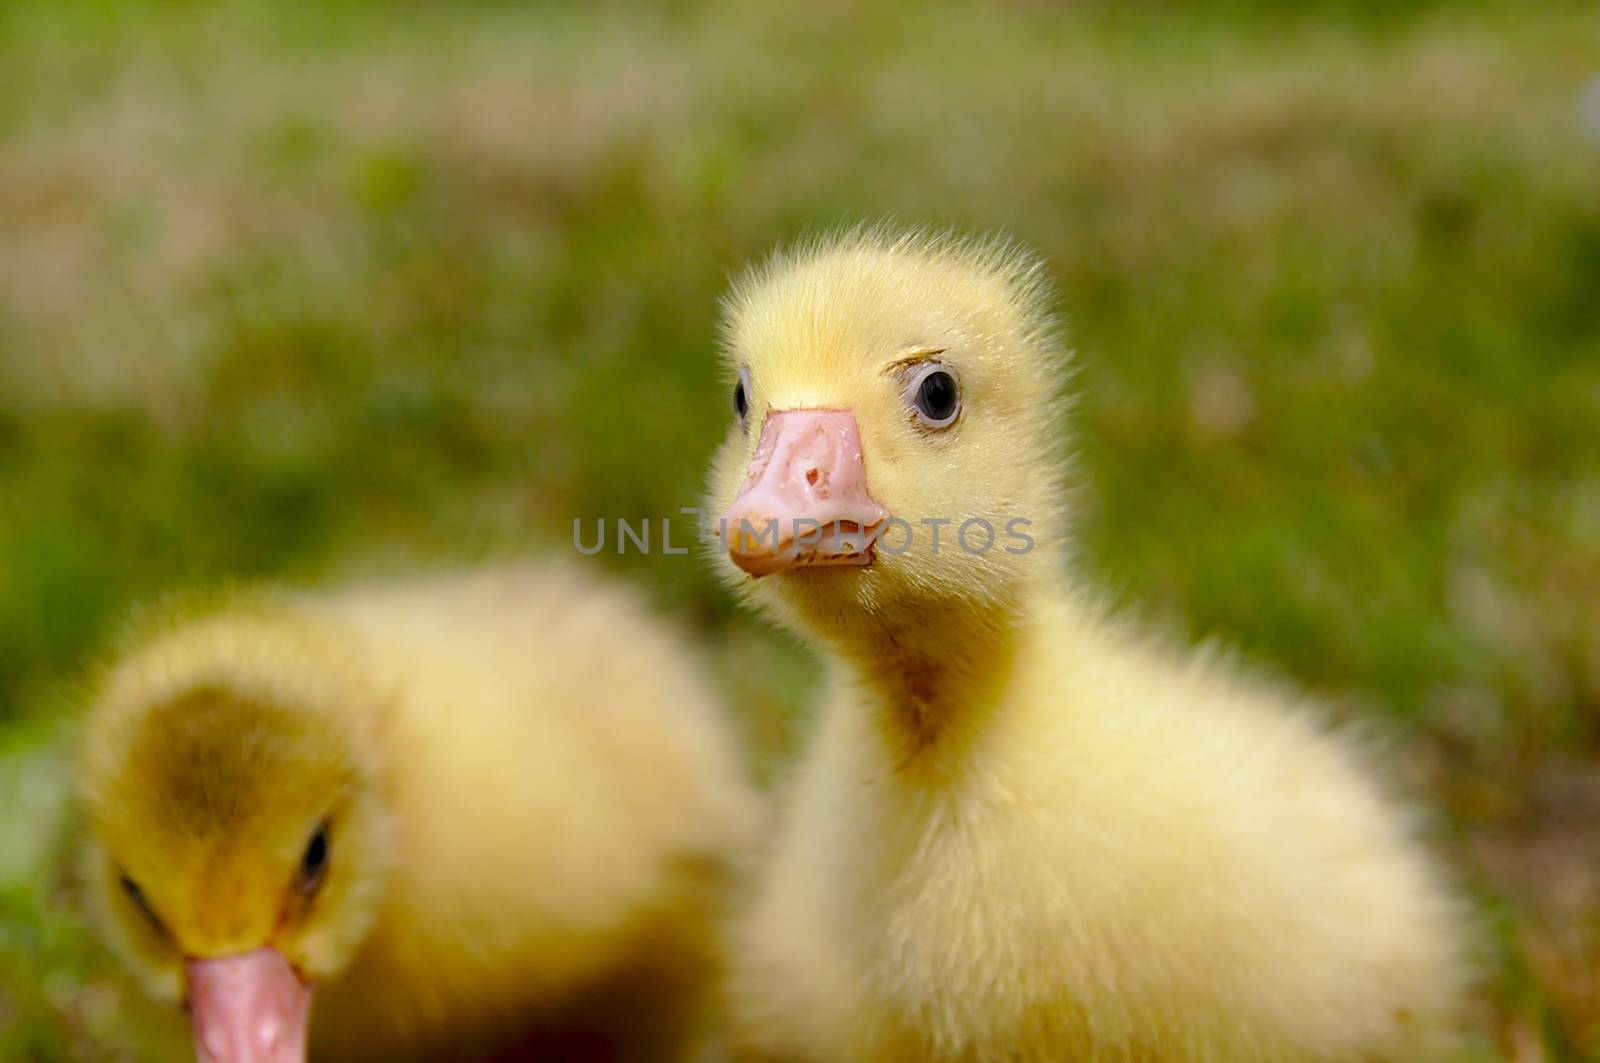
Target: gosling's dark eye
935, 395
136, 895
314, 864
741, 396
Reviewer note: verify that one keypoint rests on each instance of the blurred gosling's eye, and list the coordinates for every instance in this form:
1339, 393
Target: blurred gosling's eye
314, 864
741, 397
934, 393
136, 895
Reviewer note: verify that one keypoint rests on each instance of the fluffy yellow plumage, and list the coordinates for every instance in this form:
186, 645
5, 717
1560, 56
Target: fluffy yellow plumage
1021, 831
525, 799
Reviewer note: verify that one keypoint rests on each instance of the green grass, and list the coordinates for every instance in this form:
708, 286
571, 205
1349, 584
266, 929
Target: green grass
283, 291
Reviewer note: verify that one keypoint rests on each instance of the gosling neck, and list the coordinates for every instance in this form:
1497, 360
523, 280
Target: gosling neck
934, 676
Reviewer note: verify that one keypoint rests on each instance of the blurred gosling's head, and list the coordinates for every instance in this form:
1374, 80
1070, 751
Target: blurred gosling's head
238, 837
896, 443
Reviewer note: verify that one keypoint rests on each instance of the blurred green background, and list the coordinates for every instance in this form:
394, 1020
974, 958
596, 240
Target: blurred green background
285, 289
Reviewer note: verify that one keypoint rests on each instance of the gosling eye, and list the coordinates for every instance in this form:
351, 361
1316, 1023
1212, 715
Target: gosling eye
934, 394
314, 862
136, 895
741, 397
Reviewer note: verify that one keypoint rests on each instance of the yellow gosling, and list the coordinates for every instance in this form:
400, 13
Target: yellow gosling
1022, 832
426, 819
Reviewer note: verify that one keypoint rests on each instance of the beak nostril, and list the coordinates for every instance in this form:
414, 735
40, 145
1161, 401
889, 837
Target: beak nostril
811, 476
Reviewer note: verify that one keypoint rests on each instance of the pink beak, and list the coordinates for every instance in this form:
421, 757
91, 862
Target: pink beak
250, 1008
804, 499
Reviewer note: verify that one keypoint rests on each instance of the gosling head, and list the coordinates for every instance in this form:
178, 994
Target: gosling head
238, 840
894, 445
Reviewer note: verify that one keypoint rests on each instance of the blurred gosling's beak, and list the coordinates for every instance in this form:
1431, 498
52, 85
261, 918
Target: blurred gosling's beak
804, 499
250, 1008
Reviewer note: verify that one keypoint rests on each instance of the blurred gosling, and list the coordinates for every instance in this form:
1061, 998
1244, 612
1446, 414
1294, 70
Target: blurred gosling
462, 813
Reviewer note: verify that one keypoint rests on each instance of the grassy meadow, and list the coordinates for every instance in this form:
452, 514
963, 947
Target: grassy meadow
291, 291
